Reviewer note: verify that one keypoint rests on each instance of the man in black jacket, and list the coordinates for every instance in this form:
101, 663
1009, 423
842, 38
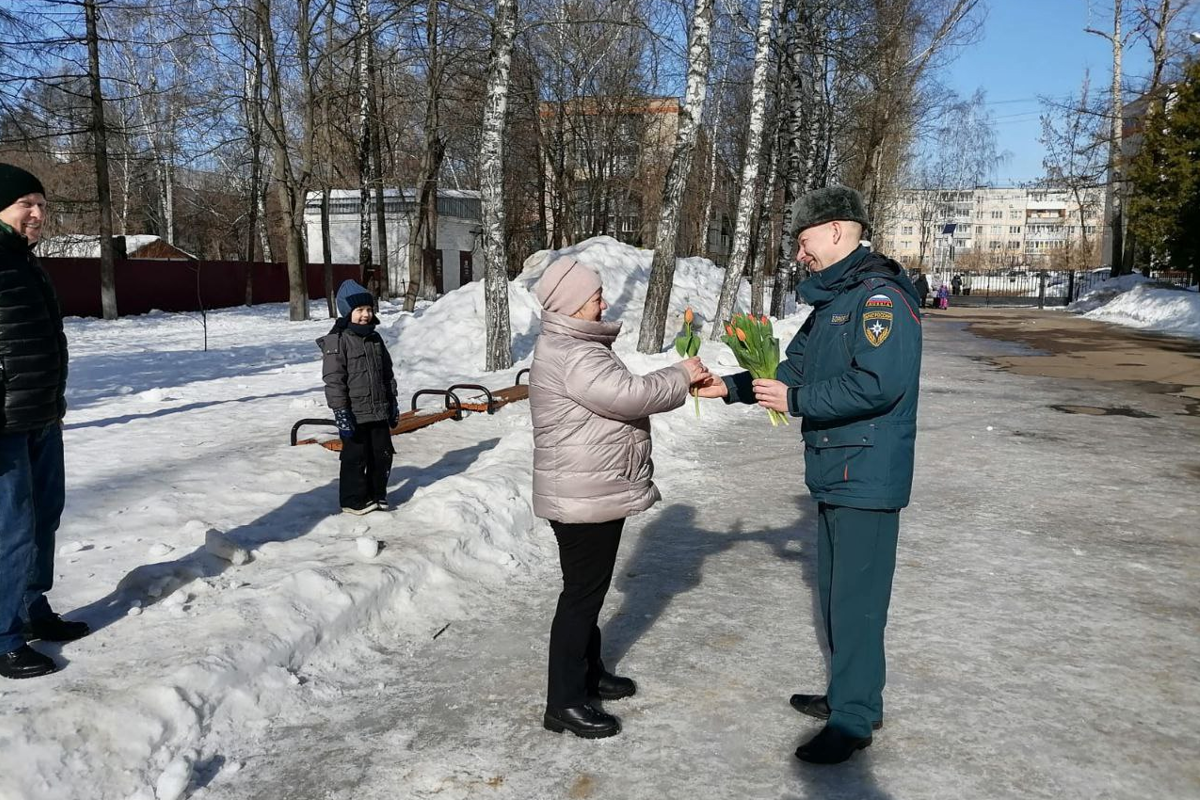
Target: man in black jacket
33, 379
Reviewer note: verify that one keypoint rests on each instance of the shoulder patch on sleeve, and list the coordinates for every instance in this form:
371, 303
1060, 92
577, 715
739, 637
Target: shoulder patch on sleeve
877, 324
330, 344
879, 301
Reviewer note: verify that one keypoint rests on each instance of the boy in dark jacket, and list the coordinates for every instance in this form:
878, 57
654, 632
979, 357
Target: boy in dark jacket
360, 387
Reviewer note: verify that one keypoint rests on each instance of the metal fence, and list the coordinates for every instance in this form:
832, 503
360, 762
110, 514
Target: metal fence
1019, 287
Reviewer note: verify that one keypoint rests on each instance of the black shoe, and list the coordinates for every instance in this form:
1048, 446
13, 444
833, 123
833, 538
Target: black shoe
583, 721
817, 705
612, 687
831, 746
25, 662
382, 505
55, 629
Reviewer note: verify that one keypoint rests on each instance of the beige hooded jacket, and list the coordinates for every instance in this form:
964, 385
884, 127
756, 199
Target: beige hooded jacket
591, 434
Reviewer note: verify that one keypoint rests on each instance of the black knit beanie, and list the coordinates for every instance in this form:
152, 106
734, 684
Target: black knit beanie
15, 183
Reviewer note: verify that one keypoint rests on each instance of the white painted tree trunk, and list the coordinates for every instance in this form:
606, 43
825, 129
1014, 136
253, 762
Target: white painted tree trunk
662, 269
365, 256
747, 194
496, 311
1116, 218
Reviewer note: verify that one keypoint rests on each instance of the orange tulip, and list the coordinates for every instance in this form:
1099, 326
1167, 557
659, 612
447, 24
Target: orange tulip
688, 316
729, 329
765, 320
741, 334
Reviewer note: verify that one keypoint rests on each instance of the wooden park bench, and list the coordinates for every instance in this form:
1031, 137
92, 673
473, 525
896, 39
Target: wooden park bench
412, 420
485, 401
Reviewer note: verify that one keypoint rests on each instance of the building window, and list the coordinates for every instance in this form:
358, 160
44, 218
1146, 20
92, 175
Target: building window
1014, 245
1014, 228
997, 215
997, 229
906, 230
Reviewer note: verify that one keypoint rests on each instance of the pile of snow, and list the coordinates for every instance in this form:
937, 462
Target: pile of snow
1137, 302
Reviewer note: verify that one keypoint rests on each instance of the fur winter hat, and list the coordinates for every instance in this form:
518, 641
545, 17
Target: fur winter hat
351, 295
15, 183
826, 205
566, 285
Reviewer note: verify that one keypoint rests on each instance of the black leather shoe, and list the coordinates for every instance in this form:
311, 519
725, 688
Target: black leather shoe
583, 721
55, 629
817, 705
612, 687
831, 746
25, 662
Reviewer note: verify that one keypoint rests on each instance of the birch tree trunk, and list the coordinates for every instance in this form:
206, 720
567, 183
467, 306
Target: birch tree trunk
382, 277
253, 108
422, 238
108, 280
662, 269
791, 155
748, 193
364, 145
499, 329
763, 230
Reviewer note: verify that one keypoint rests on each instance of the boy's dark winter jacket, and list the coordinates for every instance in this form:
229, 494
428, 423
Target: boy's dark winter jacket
33, 348
358, 373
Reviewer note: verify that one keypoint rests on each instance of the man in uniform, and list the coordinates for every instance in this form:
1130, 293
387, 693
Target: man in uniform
852, 373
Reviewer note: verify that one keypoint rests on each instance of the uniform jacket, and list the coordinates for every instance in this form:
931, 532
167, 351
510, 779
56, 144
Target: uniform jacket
591, 432
854, 370
33, 348
358, 373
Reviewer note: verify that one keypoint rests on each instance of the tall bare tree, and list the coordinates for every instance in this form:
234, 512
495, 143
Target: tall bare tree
108, 281
499, 329
747, 194
662, 268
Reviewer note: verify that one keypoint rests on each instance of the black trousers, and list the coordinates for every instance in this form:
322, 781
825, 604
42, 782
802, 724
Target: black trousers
366, 464
587, 552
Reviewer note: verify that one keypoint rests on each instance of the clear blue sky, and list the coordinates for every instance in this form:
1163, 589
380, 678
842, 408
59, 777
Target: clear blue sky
1032, 48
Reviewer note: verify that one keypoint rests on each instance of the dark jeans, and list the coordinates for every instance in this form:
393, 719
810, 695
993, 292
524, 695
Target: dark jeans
856, 558
366, 464
587, 552
32, 493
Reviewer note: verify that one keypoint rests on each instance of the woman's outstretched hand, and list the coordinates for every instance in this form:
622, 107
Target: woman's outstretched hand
696, 370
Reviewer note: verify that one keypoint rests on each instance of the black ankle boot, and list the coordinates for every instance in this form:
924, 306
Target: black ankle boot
25, 662
55, 629
831, 746
583, 721
611, 687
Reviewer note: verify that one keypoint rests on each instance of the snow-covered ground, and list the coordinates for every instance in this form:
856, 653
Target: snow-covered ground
1044, 620
1136, 302
170, 447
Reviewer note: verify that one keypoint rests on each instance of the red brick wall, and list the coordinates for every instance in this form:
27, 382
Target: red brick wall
143, 285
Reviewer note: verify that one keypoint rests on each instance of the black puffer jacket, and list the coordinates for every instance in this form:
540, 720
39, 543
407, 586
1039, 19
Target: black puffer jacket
33, 348
358, 373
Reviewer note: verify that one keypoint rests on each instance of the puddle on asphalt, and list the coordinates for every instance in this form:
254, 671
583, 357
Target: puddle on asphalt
1103, 411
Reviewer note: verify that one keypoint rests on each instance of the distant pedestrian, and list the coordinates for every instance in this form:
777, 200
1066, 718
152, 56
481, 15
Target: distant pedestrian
360, 387
33, 380
956, 285
922, 286
966, 285
943, 296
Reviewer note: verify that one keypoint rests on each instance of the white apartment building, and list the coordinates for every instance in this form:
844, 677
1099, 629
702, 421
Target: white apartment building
999, 228
459, 257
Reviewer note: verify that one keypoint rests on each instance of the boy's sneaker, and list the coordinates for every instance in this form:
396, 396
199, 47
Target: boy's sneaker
367, 509
383, 505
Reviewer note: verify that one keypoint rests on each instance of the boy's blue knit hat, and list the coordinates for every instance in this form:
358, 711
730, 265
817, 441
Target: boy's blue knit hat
352, 294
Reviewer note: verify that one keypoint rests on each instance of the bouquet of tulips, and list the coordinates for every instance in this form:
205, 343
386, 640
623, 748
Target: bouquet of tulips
687, 344
753, 341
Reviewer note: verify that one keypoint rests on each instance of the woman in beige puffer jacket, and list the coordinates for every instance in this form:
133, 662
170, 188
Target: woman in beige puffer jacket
591, 470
